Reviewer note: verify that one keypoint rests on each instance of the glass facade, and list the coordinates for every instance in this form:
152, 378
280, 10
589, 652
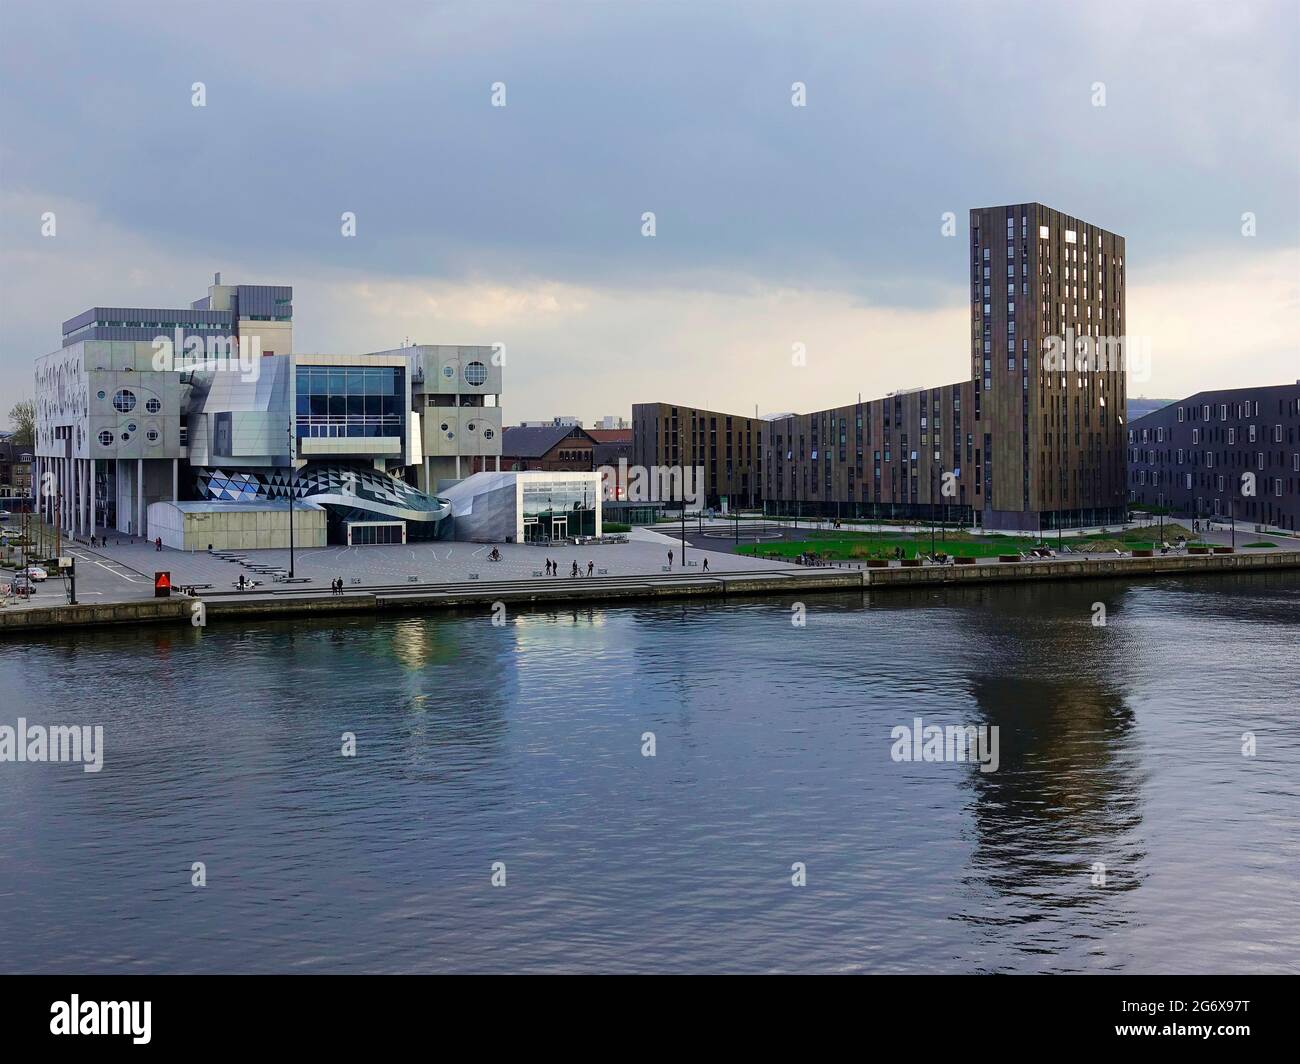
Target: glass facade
365, 534
555, 509
340, 401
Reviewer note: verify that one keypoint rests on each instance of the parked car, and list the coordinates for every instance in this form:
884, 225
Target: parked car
20, 585
35, 572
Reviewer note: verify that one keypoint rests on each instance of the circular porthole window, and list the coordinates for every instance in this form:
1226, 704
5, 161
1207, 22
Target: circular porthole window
151, 435
124, 400
451, 435
444, 426
470, 427
475, 373
449, 372
130, 426
99, 395
106, 438
125, 436
152, 405
488, 434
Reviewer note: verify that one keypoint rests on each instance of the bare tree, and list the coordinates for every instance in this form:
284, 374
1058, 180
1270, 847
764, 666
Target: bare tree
23, 418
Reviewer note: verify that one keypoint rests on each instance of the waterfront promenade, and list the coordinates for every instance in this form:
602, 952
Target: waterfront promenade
115, 585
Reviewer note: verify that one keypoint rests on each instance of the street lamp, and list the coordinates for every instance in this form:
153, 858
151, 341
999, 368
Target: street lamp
292, 455
932, 471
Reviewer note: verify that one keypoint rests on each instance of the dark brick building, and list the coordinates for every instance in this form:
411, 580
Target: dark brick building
882, 458
15, 471
727, 446
1234, 452
1048, 356
553, 447
1033, 439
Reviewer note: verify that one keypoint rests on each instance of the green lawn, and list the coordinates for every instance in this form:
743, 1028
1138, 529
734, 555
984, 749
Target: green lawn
850, 546
836, 546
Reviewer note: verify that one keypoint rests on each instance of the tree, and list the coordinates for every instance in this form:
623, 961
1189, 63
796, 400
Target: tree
23, 418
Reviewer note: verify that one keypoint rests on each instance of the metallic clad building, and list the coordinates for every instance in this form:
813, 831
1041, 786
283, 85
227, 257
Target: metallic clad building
141, 407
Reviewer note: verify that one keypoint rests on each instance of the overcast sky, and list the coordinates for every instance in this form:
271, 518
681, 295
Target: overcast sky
775, 224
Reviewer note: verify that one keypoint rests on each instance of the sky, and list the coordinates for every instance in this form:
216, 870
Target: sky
774, 225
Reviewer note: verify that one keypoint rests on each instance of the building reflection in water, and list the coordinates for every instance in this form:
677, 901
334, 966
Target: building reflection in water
1067, 796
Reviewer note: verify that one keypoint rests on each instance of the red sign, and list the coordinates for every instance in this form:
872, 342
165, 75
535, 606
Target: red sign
162, 584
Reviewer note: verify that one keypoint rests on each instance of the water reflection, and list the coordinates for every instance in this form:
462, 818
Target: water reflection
476, 741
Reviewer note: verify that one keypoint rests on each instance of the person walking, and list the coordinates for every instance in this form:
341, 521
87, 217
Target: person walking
706, 565
575, 568
157, 543
590, 568
670, 559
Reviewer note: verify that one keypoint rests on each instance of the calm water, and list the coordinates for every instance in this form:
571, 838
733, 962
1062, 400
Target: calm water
522, 744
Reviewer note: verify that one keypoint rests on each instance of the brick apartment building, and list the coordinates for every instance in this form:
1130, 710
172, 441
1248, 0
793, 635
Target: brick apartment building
728, 447
552, 447
1228, 453
1033, 439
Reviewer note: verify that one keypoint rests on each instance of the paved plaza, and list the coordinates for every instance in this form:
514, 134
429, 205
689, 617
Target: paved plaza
123, 570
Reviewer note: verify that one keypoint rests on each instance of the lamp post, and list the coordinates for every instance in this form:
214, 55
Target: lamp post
931, 510
292, 455
681, 449
683, 557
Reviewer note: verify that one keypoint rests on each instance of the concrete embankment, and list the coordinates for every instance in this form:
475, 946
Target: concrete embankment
85, 615
280, 602
992, 572
426, 597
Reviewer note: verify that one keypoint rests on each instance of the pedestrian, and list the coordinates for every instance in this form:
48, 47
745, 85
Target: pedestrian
706, 565
92, 541
157, 543
670, 559
575, 567
590, 567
